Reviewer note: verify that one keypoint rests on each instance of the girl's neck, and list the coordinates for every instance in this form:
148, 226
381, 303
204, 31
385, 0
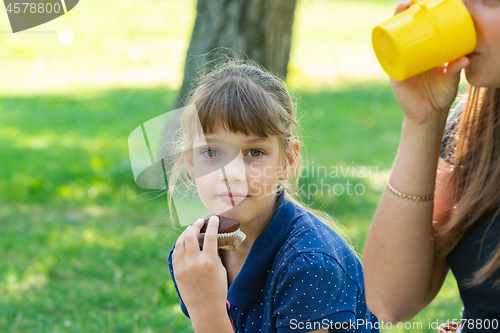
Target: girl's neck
233, 260
252, 229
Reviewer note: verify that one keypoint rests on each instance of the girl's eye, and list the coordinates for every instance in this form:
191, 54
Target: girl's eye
210, 153
255, 153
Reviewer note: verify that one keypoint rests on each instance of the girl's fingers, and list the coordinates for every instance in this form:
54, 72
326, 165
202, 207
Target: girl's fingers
210, 242
456, 66
180, 248
403, 5
191, 242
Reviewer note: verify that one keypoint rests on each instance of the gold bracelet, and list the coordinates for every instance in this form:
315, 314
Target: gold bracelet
409, 197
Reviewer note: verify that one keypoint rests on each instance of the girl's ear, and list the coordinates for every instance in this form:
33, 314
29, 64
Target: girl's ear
292, 159
188, 161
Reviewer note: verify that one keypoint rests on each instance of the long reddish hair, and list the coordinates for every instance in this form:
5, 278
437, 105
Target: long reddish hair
476, 173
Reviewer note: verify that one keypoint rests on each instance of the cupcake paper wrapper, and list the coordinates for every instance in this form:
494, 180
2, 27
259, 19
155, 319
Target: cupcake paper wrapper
228, 241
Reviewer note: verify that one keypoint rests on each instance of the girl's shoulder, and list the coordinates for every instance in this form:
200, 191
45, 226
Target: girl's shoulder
316, 281
315, 269
315, 245
308, 234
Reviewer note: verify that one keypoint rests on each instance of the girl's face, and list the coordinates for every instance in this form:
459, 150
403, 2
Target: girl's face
236, 174
484, 67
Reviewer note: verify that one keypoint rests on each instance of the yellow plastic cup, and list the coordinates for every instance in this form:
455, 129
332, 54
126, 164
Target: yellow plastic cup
426, 35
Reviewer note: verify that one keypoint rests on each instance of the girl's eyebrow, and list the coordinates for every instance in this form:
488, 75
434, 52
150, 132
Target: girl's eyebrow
256, 140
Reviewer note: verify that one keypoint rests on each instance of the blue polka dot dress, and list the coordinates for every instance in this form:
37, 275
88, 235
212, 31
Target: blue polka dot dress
300, 276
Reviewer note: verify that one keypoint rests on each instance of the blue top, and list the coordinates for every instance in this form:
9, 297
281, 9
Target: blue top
300, 276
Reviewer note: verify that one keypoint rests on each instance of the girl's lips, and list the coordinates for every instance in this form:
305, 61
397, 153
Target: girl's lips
472, 55
234, 198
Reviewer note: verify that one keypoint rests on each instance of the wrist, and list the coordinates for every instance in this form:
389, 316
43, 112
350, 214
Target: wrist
211, 319
429, 131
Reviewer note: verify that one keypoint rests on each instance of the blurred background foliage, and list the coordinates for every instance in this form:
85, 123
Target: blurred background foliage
83, 248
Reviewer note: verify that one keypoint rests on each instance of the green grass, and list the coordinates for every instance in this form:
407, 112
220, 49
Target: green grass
83, 248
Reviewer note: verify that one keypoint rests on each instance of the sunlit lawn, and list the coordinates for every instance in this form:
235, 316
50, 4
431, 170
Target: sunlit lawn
83, 248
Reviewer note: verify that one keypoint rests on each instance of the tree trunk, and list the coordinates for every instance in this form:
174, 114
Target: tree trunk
262, 29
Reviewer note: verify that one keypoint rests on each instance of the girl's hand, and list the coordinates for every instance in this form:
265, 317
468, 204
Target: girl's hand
428, 96
201, 278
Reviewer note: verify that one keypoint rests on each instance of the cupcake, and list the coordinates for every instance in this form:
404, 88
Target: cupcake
229, 235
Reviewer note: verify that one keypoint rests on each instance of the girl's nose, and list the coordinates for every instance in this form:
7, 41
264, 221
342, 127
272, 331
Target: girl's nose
234, 171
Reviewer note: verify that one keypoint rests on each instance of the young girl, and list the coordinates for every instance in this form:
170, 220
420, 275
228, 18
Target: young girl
407, 256
292, 273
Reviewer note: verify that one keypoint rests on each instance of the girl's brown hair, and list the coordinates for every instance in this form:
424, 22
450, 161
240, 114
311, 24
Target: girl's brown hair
476, 173
242, 97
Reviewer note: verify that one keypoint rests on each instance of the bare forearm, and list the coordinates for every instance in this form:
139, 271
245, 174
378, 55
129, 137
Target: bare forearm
414, 170
399, 255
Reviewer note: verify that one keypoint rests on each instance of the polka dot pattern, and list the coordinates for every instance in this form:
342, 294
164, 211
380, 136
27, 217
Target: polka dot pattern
313, 286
